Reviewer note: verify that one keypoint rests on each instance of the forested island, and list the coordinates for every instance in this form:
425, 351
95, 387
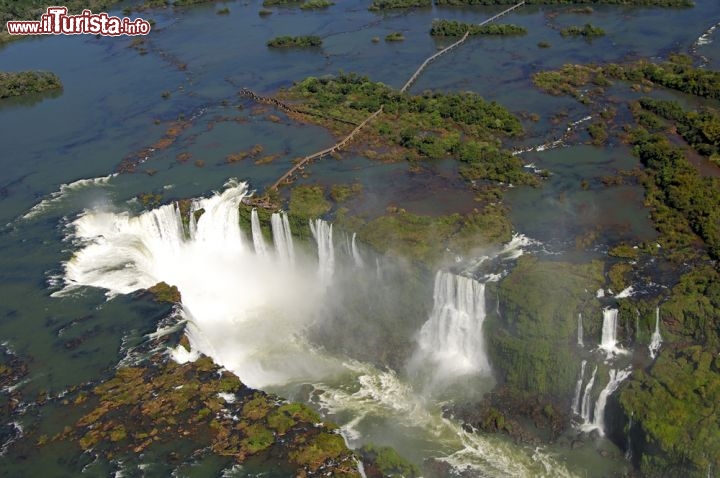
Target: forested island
453, 28
27, 82
295, 42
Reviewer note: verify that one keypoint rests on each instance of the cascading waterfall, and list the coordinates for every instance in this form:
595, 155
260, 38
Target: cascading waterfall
452, 337
656, 339
587, 399
580, 331
598, 422
282, 237
248, 313
608, 342
355, 252
323, 234
578, 389
257, 236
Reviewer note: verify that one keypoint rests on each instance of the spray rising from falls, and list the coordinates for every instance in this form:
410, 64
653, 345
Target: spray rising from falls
323, 234
578, 389
598, 422
249, 309
608, 342
258, 240
656, 339
452, 337
282, 236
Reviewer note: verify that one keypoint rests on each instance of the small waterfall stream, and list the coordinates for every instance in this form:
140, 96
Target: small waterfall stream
656, 339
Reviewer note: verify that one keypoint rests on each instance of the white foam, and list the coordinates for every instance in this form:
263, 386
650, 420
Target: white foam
65, 189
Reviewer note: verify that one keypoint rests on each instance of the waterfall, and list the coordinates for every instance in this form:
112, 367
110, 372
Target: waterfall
355, 252
587, 397
282, 237
322, 232
236, 303
578, 389
580, 331
249, 314
257, 236
608, 342
452, 336
599, 417
656, 339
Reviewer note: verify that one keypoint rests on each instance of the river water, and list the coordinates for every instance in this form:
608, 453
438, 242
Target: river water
60, 153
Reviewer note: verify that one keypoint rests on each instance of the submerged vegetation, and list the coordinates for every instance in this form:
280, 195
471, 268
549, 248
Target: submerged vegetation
451, 28
27, 82
677, 74
203, 409
295, 42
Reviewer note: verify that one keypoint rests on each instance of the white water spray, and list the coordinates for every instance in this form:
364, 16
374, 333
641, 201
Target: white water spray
282, 237
608, 342
323, 234
578, 389
656, 339
598, 423
585, 410
258, 239
452, 337
580, 331
357, 258
248, 313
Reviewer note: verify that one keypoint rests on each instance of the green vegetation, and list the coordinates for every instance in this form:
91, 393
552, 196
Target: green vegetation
165, 293
394, 36
677, 74
700, 129
316, 4
453, 28
223, 11
385, 461
264, 12
33, 9
393, 4
27, 82
295, 42
676, 420
430, 126
424, 238
543, 44
343, 192
587, 31
159, 404
539, 303
598, 132
273, 3
308, 202
676, 189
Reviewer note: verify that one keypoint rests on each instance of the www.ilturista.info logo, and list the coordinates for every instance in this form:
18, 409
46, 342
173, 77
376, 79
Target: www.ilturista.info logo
56, 21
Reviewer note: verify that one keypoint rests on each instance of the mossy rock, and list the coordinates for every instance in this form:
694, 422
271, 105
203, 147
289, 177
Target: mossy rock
531, 341
308, 202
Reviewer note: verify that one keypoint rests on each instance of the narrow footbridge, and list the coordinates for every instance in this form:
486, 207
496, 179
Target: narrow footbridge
448, 49
300, 164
